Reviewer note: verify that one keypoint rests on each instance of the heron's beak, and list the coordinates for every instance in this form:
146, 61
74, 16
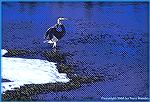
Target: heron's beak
65, 19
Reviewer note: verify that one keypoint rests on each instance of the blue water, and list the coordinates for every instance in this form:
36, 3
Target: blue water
101, 37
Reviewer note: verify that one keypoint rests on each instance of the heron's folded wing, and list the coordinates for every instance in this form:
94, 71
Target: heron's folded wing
49, 34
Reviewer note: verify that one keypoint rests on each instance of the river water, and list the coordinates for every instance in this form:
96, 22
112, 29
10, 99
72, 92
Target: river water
107, 38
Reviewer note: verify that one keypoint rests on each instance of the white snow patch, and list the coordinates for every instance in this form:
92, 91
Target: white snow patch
29, 71
4, 52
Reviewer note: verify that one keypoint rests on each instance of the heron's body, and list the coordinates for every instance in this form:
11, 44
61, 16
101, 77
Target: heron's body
55, 33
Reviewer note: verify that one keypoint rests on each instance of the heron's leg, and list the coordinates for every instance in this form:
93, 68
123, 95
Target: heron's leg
54, 44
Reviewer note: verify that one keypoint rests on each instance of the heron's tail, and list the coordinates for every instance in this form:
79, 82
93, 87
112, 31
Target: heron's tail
48, 41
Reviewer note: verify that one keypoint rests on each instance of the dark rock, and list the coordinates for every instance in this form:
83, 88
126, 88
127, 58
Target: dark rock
14, 52
54, 56
6, 80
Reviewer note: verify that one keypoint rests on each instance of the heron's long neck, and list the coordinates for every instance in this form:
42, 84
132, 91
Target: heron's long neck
58, 21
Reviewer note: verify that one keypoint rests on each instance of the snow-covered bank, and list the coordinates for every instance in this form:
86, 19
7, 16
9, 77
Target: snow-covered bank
29, 71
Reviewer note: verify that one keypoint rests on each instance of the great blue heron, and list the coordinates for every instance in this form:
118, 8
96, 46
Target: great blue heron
56, 32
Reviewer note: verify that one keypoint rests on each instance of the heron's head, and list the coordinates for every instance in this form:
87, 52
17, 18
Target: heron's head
61, 19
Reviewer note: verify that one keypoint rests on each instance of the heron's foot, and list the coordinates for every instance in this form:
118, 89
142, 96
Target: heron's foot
54, 45
54, 50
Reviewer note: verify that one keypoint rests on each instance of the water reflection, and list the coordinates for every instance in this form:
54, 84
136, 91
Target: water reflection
7, 4
88, 5
136, 8
88, 9
27, 7
60, 4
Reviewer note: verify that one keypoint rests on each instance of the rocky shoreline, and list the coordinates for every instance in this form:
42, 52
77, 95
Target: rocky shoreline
25, 92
